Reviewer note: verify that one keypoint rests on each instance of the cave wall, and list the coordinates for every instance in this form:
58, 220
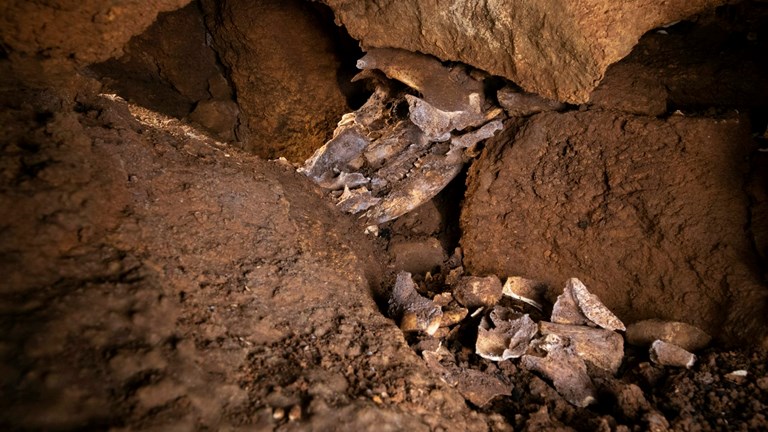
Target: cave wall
556, 48
172, 69
283, 62
47, 40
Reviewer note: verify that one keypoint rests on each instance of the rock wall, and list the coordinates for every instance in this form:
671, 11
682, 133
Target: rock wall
284, 65
650, 214
556, 48
50, 38
172, 69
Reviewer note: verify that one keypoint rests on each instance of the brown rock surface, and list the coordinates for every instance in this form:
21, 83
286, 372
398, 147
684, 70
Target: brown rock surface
283, 63
45, 39
171, 68
557, 48
716, 60
649, 213
154, 280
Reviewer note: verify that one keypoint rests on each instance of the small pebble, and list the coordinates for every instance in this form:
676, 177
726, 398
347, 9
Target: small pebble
737, 376
762, 383
278, 413
295, 413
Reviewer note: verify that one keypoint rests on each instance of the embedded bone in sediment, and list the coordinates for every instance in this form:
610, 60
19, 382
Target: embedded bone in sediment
564, 368
347, 144
356, 201
404, 159
521, 104
443, 87
504, 334
603, 349
686, 336
415, 312
526, 290
422, 185
576, 305
668, 354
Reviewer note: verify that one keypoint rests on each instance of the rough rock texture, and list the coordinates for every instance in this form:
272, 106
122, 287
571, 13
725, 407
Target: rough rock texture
170, 68
556, 48
156, 280
650, 214
716, 61
283, 63
46, 39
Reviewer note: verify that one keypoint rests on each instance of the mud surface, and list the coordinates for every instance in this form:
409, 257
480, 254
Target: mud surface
155, 279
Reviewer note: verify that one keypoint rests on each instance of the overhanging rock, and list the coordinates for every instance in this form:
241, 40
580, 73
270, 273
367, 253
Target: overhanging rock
556, 48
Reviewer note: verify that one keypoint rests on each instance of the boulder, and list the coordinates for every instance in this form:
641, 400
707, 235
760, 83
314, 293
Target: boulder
559, 49
48, 39
649, 213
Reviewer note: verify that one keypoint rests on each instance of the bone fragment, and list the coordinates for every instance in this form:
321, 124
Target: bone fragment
525, 290
600, 348
475, 291
347, 144
667, 354
443, 87
355, 201
504, 335
591, 306
427, 181
519, 104
416, 313
453, 315
564, 368
566, 310
686, 336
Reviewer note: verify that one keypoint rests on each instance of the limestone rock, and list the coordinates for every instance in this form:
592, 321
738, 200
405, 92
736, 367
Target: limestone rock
686, 336
61, 35
475, 291
172, 69
631, 88
559, 49
667, 354
285, 81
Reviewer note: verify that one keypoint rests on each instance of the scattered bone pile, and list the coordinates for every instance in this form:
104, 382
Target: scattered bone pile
579, 342
413, 135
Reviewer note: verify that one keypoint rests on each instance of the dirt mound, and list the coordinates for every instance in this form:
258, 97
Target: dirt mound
651, 214
155, 278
